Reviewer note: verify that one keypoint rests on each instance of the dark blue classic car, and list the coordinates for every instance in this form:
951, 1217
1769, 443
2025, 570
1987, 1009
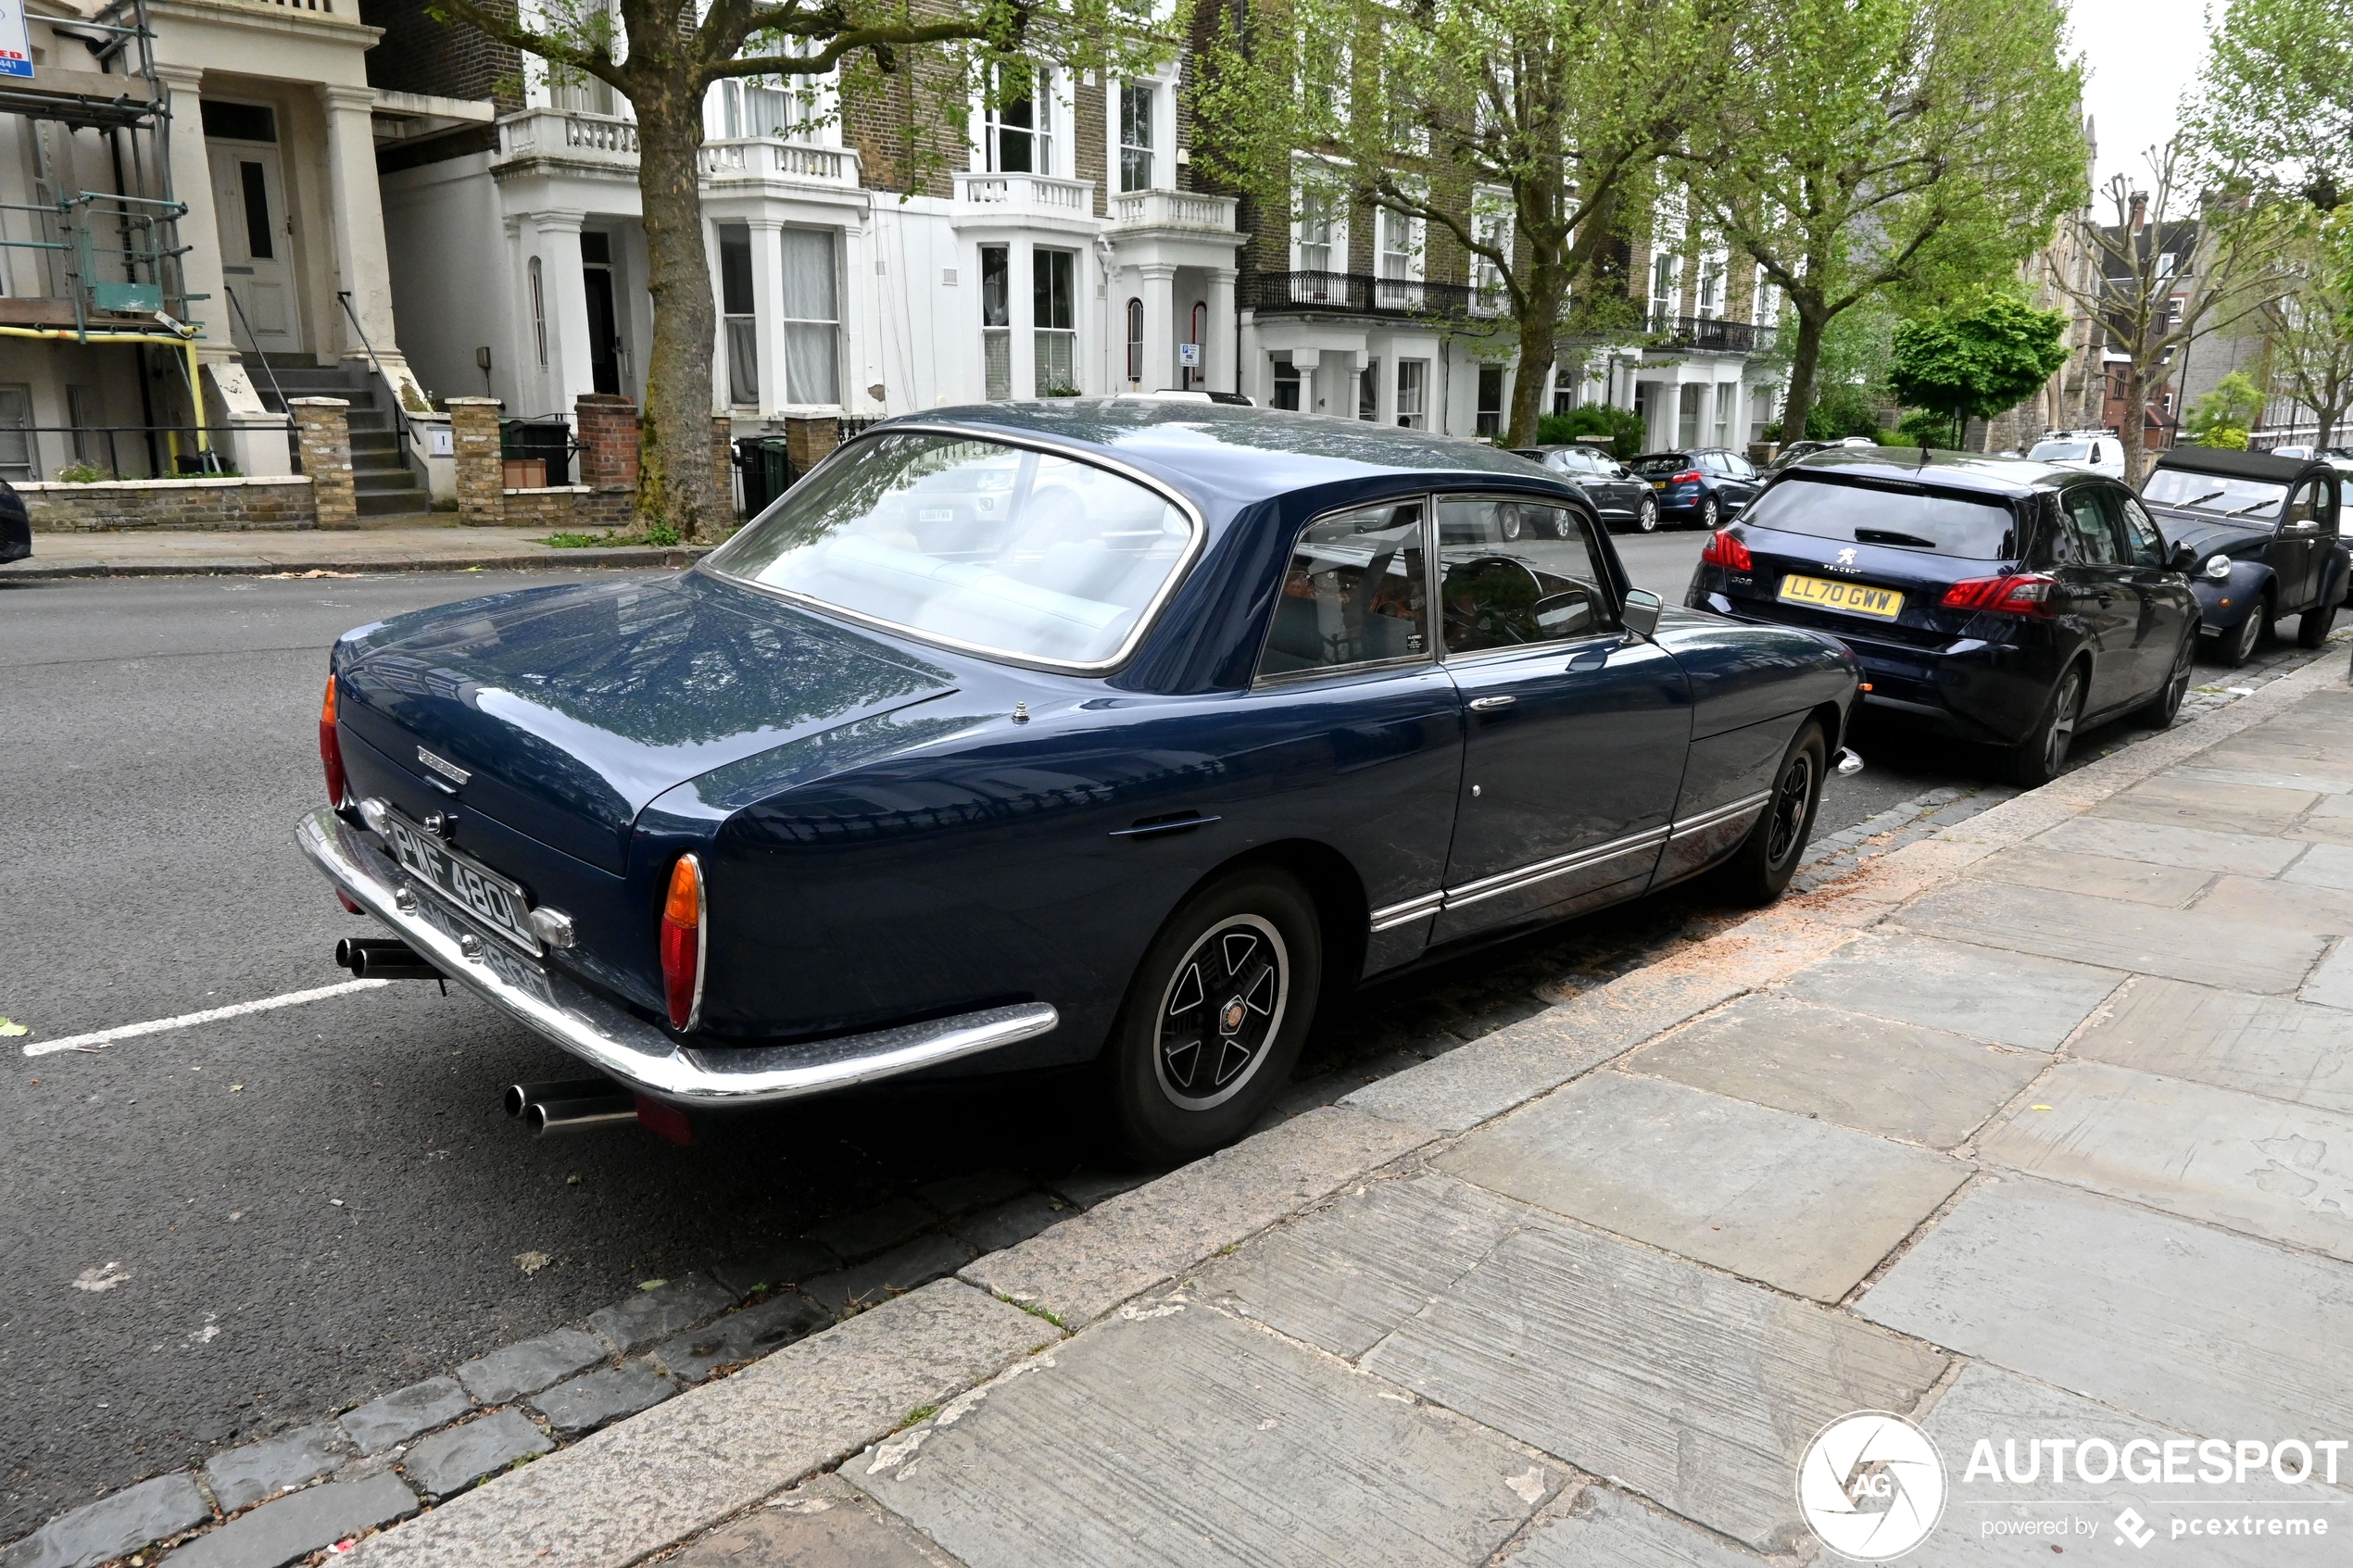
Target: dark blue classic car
2259, 535
1031, 735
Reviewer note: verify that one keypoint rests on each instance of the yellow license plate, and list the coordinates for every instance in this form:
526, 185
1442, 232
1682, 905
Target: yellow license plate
1854, 598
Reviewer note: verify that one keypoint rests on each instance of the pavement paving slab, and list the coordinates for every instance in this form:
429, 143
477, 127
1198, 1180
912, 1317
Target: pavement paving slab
2104, 876
513, 1371
2002, 1522
1898, 1080
119, 1523
600, 1398
631, 1325
299, 1524
824, 1523
404, 1413
2323, 865
1986, 993
2293, 905
713, 1452
2332, 983
1697, 1390
1179, 1435
2160, 844
2273, 1046
2180, 943
2193, 1327
1347, 1273
449, 1462
2226, 806
1790, 1199
2257, 1165
1605, 1529
243, 1476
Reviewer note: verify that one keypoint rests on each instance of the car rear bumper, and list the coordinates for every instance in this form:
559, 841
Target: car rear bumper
623, 1046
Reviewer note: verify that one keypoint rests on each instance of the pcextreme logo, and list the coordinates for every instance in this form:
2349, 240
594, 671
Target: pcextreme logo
1871, 1486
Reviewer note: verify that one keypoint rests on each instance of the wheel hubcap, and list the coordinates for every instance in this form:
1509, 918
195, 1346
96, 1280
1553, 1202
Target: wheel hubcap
1220, 1012
1789, 809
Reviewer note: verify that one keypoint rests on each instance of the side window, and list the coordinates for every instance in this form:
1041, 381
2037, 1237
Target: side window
1354, 592
2090, 537
1512, 573
2140, 532
2306, 505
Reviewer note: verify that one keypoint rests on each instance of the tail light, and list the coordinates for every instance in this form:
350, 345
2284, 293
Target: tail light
1689, 476
331, 746
1725, 549
682, 942
2020, 594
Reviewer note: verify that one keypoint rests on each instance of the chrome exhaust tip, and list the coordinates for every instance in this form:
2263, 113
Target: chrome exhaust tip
547, 1117
383, 958
1849, 763
522, 1096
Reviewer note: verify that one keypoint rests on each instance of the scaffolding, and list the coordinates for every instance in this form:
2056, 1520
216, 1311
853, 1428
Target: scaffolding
111, 260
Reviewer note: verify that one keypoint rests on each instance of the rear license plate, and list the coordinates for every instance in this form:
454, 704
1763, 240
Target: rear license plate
1854, 598
519, 973
473, 886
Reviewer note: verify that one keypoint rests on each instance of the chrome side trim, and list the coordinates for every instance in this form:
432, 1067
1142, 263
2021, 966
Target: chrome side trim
624, 1047
1722, 814
1410, 910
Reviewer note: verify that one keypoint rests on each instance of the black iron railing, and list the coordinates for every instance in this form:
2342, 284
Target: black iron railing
1711, 335
1356, 294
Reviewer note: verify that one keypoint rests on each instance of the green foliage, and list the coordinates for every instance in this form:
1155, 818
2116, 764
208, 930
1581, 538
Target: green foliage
1841, 412
1978, 360
2278, 94
82, 473
1925, 426
2223, 416
1623, 426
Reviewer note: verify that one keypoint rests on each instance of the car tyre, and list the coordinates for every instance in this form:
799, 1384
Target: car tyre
1646, 516
2238, 645
1760, 870
2312, 626
2162, 707
1214, 1017
2037, 760
1711, 515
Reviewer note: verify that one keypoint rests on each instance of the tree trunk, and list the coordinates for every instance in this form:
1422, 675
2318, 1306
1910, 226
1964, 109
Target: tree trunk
2132, 431
1804, 356
1539, 343
674, 462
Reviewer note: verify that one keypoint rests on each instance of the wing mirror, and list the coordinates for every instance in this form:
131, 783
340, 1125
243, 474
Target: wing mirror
2183, 558
1642, 612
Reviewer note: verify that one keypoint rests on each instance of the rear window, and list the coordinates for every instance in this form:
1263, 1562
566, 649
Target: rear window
998, 549
1936, 522
1663, 463
2060, 451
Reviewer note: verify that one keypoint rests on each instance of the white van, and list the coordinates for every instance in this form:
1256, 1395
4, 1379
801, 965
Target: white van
2093, 451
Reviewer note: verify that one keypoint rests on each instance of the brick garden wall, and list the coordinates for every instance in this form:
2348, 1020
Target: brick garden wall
568, 508
281, 502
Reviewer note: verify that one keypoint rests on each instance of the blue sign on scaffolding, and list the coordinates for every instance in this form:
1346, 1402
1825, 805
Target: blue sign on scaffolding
16, 43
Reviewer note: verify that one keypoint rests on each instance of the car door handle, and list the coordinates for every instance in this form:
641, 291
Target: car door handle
1490, 704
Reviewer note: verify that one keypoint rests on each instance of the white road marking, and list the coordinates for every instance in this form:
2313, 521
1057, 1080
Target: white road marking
211, 1015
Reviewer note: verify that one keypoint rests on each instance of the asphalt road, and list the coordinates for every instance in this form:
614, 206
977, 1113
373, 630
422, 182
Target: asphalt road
220, 1231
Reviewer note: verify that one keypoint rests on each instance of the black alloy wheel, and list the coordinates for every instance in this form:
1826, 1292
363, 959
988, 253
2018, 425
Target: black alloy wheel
2312, 626
2239, 643
2162, 707
1760, 870
2036, 760
1214, 1017
1646, 516
1711, 515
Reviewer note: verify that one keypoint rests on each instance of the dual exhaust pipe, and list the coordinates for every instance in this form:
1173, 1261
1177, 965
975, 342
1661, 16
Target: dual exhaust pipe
383, 958
572, 1105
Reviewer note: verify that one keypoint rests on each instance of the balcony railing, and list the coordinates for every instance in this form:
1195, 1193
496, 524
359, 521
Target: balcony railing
1173, 210
1708, 335
764, 158
1355, 294
568, 133
1016, 194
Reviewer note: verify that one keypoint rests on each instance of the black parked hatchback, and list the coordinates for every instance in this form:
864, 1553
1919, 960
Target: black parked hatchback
2000, 602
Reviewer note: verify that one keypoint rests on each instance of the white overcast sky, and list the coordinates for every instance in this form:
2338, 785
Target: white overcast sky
2141, 54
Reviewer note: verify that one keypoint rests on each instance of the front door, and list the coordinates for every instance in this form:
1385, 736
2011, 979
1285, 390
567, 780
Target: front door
604, 330
1576, 734
2099, 593
2166, 609
256, 244
2300, 549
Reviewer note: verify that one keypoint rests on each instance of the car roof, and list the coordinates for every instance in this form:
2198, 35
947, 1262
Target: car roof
1235, 455
1949, 471
2239, 465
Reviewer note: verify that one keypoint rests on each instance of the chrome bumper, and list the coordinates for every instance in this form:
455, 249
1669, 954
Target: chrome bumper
624, 1047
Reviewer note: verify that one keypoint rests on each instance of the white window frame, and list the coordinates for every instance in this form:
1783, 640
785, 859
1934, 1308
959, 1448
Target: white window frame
1711, 294
1162, 128
1319, 178
1765, 302
1050, 131
1415, 414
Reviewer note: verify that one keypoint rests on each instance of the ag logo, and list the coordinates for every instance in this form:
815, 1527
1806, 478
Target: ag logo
1871, 1486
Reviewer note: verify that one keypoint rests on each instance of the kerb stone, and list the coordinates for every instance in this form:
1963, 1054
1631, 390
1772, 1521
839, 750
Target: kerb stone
602, 1398
244, 1476
152, 1511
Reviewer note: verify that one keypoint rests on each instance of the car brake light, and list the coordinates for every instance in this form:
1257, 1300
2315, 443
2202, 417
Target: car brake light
331, 746
682, 942
1724, 549
2020, 594
1689, 476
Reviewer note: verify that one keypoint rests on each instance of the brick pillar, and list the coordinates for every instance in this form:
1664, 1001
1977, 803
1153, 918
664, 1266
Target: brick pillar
608, 434
481, 477
324, 432
809, 441
723, 470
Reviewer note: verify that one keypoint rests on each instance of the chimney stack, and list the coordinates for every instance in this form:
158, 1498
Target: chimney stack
2140, 210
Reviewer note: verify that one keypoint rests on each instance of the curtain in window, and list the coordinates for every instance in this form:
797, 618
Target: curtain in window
812, 317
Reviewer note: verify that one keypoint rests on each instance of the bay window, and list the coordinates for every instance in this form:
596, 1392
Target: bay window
812, 304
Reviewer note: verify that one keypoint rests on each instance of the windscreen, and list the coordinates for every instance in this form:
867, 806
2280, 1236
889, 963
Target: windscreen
2257, 500
1000, 548
1940, 522
2060, 451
